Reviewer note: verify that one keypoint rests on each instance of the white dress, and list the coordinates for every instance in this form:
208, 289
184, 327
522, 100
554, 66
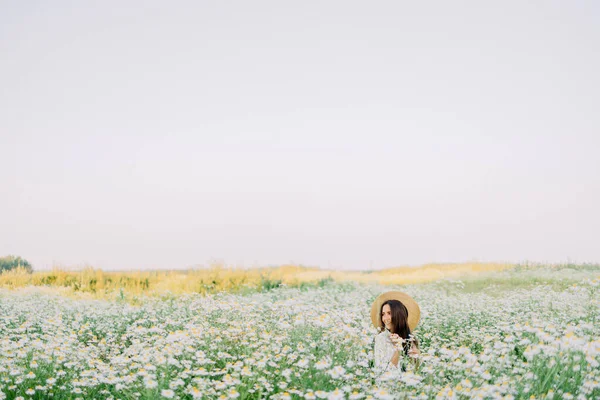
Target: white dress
384, 351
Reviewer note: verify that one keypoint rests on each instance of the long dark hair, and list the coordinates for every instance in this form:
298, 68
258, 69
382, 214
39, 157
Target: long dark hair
399, 321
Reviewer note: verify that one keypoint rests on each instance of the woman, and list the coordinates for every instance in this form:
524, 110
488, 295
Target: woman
395, 314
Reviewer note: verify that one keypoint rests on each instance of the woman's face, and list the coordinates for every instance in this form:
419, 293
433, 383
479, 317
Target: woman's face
386, 316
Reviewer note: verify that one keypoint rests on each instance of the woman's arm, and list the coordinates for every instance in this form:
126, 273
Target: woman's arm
382, 355
395, 358
414, 353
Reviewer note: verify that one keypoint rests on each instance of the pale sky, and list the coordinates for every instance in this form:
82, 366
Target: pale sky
340, 134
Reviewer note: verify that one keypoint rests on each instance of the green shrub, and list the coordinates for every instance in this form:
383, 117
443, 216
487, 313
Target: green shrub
11, 262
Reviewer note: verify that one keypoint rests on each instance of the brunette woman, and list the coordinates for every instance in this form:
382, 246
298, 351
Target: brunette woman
395, 314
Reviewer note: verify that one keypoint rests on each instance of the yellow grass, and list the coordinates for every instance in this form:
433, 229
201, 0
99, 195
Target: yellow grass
98, 283
406, 275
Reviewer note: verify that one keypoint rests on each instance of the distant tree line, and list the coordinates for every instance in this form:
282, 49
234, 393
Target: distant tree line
11, 262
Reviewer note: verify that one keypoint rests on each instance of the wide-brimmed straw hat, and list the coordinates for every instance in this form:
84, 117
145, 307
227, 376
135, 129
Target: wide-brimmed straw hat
414, 313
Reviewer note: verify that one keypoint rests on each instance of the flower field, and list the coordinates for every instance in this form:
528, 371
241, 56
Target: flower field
515, 334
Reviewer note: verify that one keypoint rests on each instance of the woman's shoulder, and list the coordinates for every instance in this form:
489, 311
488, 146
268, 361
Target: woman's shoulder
381, 336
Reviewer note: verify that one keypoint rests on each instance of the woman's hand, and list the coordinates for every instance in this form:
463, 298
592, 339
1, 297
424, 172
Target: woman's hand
396, 339
414, 351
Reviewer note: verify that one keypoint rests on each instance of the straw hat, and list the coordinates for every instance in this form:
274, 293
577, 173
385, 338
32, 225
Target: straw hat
414, 313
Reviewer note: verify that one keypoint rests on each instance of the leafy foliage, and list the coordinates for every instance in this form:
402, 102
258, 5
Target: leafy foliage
11, 262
